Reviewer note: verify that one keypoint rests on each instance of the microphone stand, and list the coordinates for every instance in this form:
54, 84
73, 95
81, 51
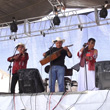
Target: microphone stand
50, 49
85, 67
9, 69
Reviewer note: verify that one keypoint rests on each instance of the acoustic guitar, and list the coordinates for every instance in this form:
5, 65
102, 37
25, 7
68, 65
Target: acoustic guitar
52, 57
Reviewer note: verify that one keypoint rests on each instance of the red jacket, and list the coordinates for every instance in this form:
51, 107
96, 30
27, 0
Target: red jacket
20, 63
91, 63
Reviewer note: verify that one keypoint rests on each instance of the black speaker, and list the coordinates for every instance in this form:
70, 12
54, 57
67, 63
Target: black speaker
102, 75
30, 81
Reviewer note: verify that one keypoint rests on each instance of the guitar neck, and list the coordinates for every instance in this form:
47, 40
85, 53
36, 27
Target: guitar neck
69, 45
66, 46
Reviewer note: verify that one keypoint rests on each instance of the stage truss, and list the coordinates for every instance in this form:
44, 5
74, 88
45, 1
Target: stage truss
44, 24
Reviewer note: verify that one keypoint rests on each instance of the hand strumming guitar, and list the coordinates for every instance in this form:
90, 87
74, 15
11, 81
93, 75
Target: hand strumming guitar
68, 52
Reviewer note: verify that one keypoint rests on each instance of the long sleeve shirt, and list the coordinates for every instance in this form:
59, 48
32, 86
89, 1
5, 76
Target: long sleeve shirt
20, 63
89, 53
61, 59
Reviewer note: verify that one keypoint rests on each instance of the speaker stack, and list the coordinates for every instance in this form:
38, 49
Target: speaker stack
102, 75
30, 81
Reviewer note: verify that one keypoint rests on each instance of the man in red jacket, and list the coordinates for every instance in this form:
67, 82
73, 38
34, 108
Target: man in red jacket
86, 76
19, 62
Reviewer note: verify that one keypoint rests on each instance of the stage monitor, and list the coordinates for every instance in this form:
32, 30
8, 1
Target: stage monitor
102, 75
30, 81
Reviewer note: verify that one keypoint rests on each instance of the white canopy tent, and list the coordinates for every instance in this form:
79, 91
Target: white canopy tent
36, 45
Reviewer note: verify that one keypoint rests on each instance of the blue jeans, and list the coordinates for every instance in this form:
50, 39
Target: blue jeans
56, 73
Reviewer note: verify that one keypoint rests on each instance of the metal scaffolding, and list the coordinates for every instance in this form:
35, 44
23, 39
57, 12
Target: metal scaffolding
32, 27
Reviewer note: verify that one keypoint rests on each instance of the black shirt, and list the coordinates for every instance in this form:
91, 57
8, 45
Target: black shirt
61, 59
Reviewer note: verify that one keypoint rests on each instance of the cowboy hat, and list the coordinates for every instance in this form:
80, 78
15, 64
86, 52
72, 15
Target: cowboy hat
58, 39
19, 45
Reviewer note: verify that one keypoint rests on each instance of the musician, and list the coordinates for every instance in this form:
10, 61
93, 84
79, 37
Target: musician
19, 62
57, 70
87, 55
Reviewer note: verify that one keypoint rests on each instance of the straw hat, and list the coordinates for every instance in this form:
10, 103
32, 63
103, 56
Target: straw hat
58, 39
20, 44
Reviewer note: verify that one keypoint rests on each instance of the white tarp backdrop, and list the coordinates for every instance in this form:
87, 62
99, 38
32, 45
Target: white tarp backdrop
36, 46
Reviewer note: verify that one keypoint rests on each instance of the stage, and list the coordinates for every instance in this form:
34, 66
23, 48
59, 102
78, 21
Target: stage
87, 100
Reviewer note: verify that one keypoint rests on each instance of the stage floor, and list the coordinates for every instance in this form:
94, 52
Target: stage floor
87, 100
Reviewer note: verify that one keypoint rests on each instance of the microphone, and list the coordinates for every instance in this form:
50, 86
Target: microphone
85, 45
16, 47
25, 50
55, 41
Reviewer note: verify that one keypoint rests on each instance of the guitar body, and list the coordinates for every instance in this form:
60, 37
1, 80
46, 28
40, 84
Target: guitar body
52, 57
49, 58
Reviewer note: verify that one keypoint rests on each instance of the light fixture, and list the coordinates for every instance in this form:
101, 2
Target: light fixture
13, 29
80, 27
58, 6
56, 20
42, 33
13, 25
103, 12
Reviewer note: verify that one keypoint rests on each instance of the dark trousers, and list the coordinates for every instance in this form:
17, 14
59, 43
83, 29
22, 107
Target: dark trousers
15, 78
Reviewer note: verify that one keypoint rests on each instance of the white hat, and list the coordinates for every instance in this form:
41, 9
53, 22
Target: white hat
20, 44
59, 39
